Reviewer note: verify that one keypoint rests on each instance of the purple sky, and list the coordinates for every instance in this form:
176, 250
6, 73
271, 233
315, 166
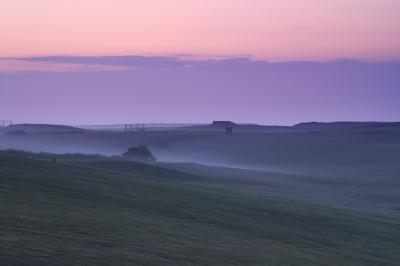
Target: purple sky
262, 61
102, 90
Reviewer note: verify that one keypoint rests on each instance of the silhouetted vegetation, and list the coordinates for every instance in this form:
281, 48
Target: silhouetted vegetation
140, 153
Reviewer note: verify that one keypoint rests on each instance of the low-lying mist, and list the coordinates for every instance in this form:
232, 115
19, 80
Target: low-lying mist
329, 154
335, 168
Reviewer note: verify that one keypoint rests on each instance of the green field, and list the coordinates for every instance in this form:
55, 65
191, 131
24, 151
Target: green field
87, 210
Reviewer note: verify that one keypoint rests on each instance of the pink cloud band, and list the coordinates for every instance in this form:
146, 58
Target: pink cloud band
20, 65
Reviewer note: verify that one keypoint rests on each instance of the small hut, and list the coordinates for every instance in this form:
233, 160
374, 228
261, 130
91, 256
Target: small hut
228, 125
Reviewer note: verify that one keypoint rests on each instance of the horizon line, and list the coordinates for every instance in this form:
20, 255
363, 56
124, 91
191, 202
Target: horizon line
201, 57
199, 123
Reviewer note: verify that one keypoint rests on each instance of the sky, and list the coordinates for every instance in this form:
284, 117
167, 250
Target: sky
264, 61
283, 30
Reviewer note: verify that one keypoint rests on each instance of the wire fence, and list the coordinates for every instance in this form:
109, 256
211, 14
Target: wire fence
5, 123
138, 127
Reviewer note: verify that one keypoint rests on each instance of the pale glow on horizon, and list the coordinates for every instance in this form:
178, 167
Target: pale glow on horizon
273, 30
10, 66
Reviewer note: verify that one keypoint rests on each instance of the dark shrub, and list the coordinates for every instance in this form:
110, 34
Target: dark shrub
140, 153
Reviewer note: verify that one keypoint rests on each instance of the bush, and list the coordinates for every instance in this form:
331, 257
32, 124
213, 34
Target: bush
140, 153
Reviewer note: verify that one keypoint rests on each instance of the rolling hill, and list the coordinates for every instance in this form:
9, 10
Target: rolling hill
92, 210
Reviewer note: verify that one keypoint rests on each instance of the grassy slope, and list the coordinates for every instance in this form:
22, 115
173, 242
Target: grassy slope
370, 197
371, 155
67, 214
354, 169
362, 155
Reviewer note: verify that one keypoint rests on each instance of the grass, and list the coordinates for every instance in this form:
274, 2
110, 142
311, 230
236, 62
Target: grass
72, 212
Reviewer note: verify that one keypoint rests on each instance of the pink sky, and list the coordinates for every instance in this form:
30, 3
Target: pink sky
10, 66
276, 30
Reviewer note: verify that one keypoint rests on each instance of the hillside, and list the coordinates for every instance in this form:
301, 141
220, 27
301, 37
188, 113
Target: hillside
76, 212
349, 126
306, 127
41, 128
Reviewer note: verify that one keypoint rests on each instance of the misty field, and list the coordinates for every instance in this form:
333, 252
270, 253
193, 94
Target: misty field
354, 166
257, 197
127, 213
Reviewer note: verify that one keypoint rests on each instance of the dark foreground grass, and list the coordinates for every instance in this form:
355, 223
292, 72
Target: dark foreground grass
63, 214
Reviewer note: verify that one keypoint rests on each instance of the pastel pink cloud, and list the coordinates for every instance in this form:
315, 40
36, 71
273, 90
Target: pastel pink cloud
276, 30
20, 65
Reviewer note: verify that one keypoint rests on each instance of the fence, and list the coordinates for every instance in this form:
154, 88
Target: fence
137, 127
5, 123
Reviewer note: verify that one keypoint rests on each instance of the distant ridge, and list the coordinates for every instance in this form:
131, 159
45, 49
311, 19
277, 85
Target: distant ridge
42, 128
348, 126
309, 126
